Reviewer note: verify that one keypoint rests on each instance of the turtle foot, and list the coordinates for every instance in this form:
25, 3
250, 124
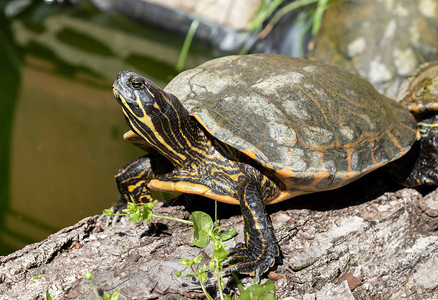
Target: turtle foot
252, 261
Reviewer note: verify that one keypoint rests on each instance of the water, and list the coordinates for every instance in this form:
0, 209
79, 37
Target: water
60, 127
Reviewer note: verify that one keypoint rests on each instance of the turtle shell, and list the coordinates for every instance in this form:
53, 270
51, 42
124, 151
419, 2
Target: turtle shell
316, 126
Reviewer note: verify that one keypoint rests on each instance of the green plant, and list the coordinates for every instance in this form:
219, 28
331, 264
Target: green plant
189, 38
187, 42
270, 9
204, 233
143, 212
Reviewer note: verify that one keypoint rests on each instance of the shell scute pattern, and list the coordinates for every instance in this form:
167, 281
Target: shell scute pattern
324, 126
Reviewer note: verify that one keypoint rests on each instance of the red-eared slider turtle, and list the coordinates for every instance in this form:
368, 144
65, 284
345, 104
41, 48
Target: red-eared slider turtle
255, 130
383, 41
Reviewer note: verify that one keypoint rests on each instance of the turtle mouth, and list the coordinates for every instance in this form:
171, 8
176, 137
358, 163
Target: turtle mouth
118, 94
118, 86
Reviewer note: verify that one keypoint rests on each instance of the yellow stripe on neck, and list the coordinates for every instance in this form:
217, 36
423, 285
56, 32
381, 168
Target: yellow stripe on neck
146, 119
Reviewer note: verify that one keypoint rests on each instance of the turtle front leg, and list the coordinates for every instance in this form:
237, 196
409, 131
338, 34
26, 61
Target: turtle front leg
132, 180
258, 253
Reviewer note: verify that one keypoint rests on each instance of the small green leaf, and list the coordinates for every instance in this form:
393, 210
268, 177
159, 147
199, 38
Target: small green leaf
187, 262
226, 234
147, 211
48, 297
211, 264
88, 275
184, 261
131, 206
220, 254
115, 295
203, 277
108, 212
134, 216
35, 277
178, 273
198, 259
264, 291
202, 228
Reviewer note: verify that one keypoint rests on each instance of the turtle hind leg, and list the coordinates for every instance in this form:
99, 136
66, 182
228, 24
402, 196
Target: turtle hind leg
425, 169
258, 253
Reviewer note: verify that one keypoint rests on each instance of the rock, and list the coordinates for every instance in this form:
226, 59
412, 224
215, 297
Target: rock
222, 23
383, 41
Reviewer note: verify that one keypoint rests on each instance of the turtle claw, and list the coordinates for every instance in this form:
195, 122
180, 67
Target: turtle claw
110, 220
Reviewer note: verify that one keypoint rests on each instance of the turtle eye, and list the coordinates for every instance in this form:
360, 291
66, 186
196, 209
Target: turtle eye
136, 83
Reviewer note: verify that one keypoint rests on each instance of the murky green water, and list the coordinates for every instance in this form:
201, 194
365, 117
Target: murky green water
60, 127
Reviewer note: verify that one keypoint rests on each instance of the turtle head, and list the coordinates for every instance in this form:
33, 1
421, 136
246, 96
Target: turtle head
139, 97
144, 103
149, 111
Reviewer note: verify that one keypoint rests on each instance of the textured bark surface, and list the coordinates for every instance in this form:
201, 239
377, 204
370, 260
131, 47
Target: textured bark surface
336, 245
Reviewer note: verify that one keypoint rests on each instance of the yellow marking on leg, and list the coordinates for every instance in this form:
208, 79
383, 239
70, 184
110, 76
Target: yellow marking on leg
131, 187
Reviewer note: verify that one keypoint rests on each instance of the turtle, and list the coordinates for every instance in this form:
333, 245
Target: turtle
383, 41
254, 130
419, 94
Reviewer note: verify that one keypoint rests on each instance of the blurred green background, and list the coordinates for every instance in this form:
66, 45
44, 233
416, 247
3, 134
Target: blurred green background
61, 129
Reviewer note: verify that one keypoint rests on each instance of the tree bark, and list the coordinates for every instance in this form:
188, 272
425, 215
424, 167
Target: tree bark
378, 249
